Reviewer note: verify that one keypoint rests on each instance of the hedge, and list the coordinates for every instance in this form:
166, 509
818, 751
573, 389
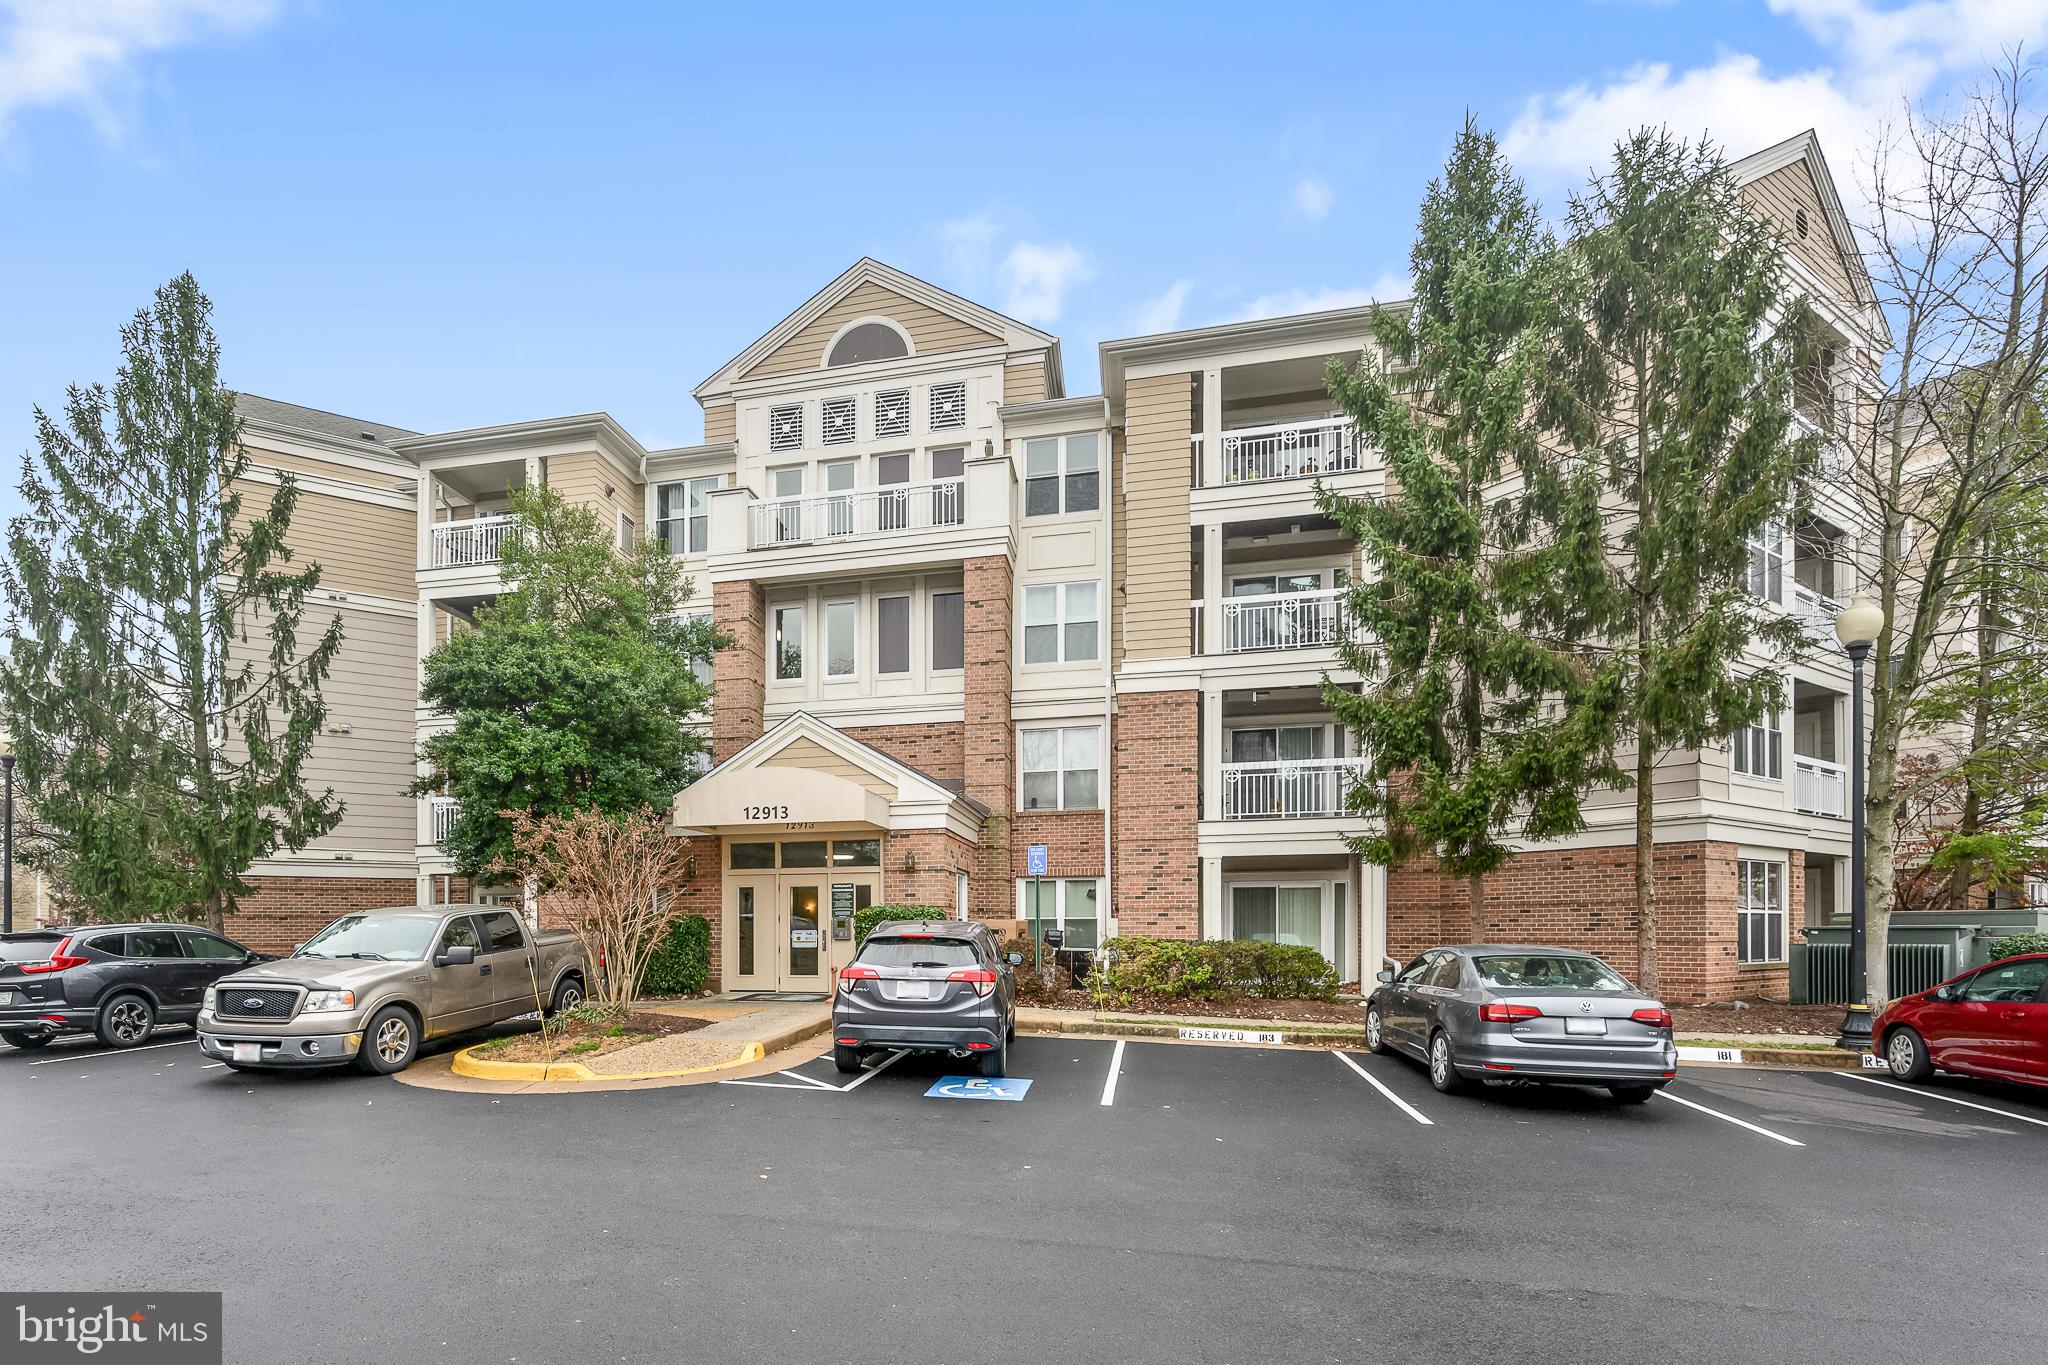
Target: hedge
682, 961
2019, 944
864, 921
1213, 969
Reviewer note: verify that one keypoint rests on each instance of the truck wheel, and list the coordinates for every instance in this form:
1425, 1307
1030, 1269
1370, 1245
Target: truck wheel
125, 1021
389, 1043
26, 1038
568, 996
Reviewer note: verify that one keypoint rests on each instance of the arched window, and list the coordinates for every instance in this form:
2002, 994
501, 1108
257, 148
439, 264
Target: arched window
866, 342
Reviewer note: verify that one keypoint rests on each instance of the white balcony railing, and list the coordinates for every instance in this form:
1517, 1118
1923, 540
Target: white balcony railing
1288, 450
1816, 612
1819, 787
860, 512
479, 540
1289, 790
441, 813
1283, 620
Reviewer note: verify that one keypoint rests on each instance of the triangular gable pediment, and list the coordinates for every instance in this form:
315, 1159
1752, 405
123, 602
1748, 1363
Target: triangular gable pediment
804, 742
933, 320
1792, 179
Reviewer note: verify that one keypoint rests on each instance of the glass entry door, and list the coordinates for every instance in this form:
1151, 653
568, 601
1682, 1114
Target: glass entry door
792, 931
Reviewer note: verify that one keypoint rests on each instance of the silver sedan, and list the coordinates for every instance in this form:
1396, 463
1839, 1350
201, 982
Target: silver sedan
1512, 1012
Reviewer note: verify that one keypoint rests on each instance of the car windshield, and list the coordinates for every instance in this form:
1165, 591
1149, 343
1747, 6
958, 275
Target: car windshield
1550, 971
379, 938
27, 949
918, 952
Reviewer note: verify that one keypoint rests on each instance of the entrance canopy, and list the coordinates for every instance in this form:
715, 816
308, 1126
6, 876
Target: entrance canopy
808, 774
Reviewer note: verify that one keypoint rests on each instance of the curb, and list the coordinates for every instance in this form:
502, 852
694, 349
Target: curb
465, 1063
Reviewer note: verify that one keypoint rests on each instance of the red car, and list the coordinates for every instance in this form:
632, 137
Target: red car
1991, 1022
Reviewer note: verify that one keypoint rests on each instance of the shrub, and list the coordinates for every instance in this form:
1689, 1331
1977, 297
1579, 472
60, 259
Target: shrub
1038, 985
2018, 944
681, 962
1212, 969
864, 921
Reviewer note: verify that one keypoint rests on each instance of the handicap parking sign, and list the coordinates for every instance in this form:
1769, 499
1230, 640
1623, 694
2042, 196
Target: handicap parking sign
978, 1088
1034, 860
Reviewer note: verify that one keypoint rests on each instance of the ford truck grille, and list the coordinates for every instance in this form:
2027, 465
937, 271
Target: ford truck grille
254, 1002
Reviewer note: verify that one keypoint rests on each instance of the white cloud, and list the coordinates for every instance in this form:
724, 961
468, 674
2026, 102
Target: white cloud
1312, 196
1878, 58
1391, 287
970, 243
1161, 313
1039, 276
83, 53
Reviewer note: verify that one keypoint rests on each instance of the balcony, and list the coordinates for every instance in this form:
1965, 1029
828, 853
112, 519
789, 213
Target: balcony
441, 814
1274, 621
1819, 787
1288, 450
466, 544
1816, 612
1300, 789
864, 512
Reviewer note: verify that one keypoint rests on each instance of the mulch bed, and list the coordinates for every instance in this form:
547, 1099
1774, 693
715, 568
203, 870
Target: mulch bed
1296, 1011
579, 1041
1757, 1017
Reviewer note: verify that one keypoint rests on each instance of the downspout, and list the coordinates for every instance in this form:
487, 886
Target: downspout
1109, 687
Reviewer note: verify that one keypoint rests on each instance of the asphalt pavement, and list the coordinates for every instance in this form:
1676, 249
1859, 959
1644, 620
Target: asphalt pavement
1142, 1202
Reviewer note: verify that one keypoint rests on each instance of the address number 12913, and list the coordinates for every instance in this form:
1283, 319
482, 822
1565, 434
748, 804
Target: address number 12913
765, 812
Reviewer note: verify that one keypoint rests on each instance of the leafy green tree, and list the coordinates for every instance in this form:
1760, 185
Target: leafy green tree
1683, 358
163, 702
575, 689
1479, 716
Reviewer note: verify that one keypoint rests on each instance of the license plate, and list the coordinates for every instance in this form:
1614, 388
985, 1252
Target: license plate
1595, 1027
248, 1052
913, 990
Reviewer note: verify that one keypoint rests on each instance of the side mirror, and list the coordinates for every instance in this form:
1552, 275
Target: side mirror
1385, 977
461, 955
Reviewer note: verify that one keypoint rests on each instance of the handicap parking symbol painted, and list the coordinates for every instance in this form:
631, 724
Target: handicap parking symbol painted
978, 1088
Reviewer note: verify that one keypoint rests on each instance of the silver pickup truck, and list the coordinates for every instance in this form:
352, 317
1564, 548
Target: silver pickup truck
371, 987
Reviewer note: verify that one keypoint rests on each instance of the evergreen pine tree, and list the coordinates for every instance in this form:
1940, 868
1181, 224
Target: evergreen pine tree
1684, 356
1479, 719
162, 701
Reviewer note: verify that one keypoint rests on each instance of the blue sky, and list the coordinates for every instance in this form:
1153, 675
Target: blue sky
444, 216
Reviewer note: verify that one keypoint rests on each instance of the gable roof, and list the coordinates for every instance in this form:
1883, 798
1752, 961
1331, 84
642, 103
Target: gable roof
867, 270
1805, 147
269, 412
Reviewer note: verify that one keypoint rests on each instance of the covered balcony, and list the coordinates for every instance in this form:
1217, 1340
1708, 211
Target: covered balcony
1269, 421
878, 511
1820, 782
1275, 586
1277, 755
465, 521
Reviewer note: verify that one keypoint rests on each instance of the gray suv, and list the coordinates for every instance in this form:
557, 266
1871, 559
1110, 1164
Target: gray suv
926, 986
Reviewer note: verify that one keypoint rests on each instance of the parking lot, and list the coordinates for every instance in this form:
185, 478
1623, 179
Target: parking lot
1143, 1201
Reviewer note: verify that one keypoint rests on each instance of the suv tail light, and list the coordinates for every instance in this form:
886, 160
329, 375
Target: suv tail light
849, 975
59, 961
981, 978
1655, 1018
1501, 1014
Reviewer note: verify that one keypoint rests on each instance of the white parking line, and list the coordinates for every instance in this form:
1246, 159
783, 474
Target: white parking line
1937, 1095
1730, 1118
112, 1052
1410, 1110
213, 1066
858, 1081
783, 1085
807, 1080
1116, 1063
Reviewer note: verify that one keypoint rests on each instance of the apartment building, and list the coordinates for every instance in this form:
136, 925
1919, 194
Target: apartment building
1028, 655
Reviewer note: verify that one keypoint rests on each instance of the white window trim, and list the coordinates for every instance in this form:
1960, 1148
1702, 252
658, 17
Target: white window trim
627, 530
1059, 899
1061, 771
909, 600
1326, 906
825, 638
1059, 623
1773, 723
775, 610
931, 635
1743, 874
1062, 471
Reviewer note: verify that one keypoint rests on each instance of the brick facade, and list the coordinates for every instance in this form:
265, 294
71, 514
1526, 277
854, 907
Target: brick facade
940, 857
938, 751
1072, 839
1156, 791
989, 739
1585, 898
287, 910
739, 671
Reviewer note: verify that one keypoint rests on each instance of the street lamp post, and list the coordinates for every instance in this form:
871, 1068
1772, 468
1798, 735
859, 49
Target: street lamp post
1857, 627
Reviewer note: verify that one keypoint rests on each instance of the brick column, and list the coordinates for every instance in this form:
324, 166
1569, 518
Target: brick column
1157, 753
738, 672
989, 741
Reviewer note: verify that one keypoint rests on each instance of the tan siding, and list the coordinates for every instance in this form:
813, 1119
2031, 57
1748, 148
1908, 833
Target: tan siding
1119, 557
1025, 383
1154, 540
1779, 197
930, 330
584, 478
721, 423
359, 546
305, 464
805, 753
